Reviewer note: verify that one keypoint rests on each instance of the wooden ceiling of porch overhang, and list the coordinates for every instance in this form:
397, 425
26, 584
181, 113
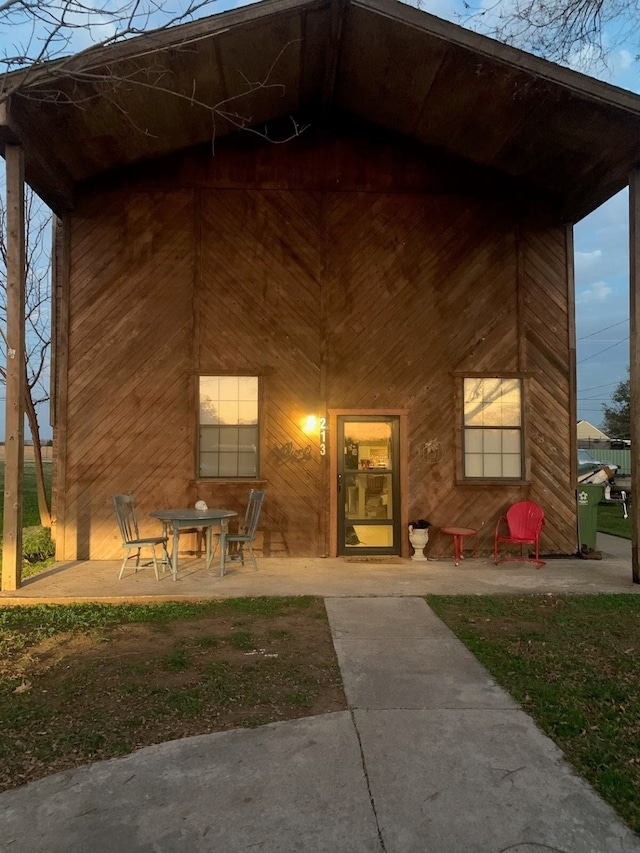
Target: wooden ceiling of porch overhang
378, 60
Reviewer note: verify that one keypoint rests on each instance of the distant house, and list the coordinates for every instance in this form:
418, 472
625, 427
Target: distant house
587, 432
402, 271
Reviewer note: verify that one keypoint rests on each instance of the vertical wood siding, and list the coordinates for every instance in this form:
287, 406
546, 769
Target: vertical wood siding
337, 293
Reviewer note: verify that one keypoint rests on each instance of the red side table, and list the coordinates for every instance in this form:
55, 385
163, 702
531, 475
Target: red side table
459, 535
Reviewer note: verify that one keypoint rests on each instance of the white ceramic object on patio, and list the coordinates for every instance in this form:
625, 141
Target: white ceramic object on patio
418, 537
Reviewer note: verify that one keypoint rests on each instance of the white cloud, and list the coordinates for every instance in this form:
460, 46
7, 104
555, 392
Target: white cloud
599, 291
622, 60
584, 261
602, 244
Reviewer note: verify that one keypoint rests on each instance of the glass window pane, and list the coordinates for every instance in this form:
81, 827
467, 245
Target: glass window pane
229, 439
510, 402
248, 388
208, 464
248, 439
492, 413
210, 387
492, 465
492, 440
473, 402
473, 441
367, 445
228, 387
208, 401
511, 441
209, 438
369, 536
511, 466
228, 465
228, 411
246, 464
473, 465
248, 413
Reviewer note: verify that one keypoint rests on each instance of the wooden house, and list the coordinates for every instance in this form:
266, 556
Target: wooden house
322, 248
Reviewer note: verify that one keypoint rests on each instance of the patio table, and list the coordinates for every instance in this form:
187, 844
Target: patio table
189, 517
459, 535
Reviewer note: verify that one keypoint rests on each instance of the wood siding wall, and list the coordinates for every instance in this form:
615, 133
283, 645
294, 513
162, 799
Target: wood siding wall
347, 272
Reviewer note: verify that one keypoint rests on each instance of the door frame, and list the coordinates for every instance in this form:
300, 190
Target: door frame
403, 479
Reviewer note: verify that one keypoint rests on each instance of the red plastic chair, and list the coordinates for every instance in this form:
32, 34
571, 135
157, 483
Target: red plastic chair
525, 520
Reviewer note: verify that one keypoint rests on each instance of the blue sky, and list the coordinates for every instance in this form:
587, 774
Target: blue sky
601, 251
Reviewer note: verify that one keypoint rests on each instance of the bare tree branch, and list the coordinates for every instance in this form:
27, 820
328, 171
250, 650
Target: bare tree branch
581, 33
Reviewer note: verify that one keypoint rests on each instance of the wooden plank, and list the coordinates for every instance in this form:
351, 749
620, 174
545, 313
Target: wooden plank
634, 346
572, 366
333, 55
15, 381
62, 262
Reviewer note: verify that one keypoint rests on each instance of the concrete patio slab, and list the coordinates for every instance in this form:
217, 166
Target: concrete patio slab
98, 580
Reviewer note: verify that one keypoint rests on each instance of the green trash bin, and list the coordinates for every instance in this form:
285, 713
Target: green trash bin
589, 496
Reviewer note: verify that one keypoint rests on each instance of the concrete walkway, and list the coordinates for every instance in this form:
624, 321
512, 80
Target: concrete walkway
431, 757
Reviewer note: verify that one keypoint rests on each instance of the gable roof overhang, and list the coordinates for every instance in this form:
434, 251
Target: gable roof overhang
307, 61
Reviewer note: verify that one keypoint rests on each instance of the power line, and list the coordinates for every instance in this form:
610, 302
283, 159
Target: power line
606, 329
595, 387
606, 349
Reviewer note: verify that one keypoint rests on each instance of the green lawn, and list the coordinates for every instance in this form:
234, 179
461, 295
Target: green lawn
573, 663
611, 520
31, 516
36, 541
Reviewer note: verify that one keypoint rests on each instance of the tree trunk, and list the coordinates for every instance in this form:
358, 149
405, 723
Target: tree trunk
43, 503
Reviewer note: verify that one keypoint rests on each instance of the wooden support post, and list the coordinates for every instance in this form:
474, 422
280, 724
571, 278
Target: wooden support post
15, 386
573, 371
634, 363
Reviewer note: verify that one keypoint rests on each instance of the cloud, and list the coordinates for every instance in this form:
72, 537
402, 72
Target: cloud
602, 244
622, 60
599, 291
584, 261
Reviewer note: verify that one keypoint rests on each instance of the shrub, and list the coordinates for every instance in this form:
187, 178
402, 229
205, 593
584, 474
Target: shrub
37, 545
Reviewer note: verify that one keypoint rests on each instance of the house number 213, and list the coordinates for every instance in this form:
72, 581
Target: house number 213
323, 436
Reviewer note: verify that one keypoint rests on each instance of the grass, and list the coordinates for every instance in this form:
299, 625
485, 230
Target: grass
86, 682
573, 663
30, 513
611, 520
34, 538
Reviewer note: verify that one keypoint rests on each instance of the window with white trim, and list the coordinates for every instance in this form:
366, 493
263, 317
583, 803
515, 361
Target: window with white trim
492, 428
228, 427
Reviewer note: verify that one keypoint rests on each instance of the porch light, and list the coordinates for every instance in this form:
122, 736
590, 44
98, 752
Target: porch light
310, 424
